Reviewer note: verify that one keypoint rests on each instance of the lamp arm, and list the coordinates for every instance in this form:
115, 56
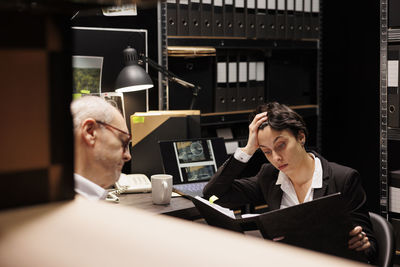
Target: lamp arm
172, 77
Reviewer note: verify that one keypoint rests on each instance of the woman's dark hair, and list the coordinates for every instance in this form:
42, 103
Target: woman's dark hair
281, 117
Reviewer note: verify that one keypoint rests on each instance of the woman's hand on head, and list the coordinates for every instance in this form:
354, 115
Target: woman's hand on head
358, 239
252, 142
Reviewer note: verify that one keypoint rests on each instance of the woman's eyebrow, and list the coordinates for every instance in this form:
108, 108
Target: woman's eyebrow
276, 138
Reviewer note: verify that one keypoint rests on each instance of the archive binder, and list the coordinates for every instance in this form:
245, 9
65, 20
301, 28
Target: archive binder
242, 100
194, 18
231, 103
260, 77
298, 19
218, 25
281, 20
222, 82
252, 89
393, 86
271, 19
261, 19
250, 19
206, 18
183, 18
171, 18
315, 19
239, 26
228, 18
307, 19
290, 19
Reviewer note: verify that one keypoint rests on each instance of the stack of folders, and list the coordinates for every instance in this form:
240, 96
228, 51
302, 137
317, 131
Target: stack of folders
260, 19
240, 81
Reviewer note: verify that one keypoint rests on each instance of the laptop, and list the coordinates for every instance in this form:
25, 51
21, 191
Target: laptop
322, 225
192, 162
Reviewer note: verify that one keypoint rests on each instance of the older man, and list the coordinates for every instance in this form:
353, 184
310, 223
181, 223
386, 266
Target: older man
101, 145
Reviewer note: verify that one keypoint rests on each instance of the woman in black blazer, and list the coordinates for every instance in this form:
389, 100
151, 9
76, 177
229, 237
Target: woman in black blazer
292, 176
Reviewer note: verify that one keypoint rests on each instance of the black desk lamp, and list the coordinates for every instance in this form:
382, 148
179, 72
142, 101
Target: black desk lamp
134, 78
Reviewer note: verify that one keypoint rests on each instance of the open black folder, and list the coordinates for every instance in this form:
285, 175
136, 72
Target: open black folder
321, 225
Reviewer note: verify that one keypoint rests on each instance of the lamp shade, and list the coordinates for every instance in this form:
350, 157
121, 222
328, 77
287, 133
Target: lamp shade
132, 77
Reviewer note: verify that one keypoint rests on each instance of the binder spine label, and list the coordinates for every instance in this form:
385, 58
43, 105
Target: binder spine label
261, 4
251, 4
281, 4
315, 6
271, 5
393, 73
239, 3
307, 5
299, 5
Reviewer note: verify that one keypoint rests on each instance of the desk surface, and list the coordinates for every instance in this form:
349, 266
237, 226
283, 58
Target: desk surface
178, 207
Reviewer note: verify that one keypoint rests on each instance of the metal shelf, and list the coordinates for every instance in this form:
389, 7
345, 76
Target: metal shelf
234, 117
242, 43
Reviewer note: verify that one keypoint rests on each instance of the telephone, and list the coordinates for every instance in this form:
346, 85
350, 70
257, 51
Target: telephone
133, 183
129, 183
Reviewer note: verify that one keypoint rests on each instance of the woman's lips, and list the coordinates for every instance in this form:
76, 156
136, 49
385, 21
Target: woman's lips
282, 166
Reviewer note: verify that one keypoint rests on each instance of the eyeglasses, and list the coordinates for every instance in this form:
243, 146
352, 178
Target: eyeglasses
125, 143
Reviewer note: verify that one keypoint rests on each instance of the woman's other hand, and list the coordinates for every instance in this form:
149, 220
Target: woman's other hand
358, 239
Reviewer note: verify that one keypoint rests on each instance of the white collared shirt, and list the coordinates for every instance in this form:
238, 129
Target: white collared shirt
88, 189
289, 196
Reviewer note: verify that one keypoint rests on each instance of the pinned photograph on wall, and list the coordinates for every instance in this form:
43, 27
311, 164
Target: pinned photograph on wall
115, 99
86, 71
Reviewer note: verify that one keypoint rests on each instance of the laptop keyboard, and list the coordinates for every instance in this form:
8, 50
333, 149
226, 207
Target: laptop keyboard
192, 189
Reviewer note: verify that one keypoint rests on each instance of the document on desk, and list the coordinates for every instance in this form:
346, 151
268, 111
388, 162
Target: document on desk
217, 207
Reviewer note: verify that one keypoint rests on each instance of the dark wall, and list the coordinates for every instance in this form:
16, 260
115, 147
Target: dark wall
146, 19
350, 89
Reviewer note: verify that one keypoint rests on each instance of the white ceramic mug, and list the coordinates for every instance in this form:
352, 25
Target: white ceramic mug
161, 188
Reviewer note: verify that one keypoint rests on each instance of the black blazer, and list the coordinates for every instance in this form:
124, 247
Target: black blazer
261, 189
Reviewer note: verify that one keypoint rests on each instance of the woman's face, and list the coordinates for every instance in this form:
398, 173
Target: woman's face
282, 149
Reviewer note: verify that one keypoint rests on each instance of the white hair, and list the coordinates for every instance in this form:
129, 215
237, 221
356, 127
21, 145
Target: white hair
91, 107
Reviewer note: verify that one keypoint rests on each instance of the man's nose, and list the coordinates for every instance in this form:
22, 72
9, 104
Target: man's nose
127, 155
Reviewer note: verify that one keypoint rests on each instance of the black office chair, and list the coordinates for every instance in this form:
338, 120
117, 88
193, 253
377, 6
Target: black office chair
385, 238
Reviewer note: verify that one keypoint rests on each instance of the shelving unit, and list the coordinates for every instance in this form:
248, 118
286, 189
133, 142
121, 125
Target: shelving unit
210, 121
384, 189
390, 140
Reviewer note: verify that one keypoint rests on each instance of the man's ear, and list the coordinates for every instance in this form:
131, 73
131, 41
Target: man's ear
89, 131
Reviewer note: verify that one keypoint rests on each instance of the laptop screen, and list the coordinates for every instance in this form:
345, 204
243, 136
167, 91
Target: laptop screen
192, 160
